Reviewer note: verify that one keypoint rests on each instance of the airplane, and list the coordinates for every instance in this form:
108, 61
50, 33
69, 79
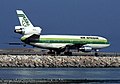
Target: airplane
57, 44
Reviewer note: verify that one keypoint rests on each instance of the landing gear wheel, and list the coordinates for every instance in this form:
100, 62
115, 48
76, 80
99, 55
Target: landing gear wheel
96, 54
51, 53
68, 53
58, 53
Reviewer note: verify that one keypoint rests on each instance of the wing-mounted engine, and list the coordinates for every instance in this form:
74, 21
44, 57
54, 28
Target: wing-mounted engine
27, 30
85, 49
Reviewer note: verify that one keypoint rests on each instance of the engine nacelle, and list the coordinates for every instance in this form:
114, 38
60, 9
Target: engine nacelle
18, 29
27, 30
85, 49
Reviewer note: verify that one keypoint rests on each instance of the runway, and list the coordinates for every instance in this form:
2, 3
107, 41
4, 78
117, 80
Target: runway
37, 51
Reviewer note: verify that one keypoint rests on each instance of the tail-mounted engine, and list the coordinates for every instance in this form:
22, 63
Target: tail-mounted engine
27, 30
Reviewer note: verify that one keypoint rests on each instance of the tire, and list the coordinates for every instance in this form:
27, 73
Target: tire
51, 53
68, 53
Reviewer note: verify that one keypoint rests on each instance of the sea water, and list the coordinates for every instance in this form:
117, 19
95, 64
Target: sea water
60, 73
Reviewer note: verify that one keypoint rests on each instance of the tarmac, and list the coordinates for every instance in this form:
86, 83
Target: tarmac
38, 51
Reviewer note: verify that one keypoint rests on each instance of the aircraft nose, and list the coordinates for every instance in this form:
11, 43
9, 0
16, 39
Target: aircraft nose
108, 43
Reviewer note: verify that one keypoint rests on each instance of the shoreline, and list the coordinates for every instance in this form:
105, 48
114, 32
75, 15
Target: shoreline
36, 61
58, 81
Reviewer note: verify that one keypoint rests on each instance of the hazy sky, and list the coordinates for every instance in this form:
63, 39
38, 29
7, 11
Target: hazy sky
79, 17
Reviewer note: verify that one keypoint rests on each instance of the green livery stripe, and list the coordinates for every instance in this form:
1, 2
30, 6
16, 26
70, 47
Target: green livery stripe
74, 42
61, 41
21, 15
70, 39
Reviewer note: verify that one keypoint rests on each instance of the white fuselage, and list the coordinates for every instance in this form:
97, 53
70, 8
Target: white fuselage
71, 38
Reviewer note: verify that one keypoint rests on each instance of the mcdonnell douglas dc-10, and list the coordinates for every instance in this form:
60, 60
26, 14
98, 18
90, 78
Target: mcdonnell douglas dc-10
57, 44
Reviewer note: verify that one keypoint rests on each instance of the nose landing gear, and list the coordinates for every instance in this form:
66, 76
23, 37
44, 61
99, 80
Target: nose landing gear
96, 52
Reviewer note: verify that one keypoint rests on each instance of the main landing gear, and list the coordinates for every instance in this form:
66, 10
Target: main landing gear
65, 51
68, 53
53, 53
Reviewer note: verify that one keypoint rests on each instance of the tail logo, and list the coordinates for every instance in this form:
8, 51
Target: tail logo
25, 21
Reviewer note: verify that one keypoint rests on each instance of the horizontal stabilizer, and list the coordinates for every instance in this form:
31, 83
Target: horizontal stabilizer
15, 43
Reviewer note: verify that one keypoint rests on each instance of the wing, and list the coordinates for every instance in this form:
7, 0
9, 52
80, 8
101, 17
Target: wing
16, 43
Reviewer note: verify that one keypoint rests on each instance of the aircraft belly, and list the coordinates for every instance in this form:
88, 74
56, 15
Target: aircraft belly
50, 45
